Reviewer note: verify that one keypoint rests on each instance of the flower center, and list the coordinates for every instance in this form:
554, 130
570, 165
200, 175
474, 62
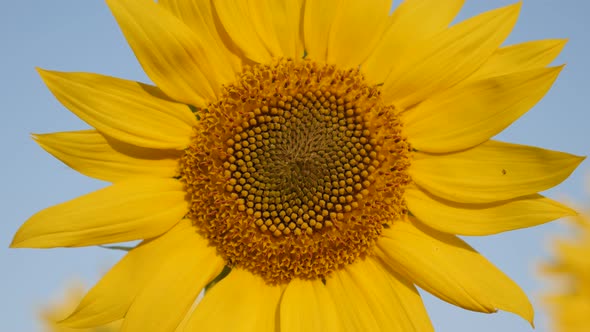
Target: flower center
295, 170
299, 164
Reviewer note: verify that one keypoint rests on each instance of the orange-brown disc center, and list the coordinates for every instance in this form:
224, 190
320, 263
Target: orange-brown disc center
295, 170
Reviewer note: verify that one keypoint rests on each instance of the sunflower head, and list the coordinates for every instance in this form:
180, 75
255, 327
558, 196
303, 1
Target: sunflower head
305, 165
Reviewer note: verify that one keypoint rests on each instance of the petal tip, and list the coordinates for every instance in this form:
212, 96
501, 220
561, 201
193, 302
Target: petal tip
14, 244
531, 318
512, 9
577, 160
21, 241
527, 313
40, 70
524, 311
45, 73
70, 321
40, 139
561, 42
517, 5
554, 71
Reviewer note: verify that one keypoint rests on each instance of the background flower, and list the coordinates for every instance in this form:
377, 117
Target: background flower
568, 298
60, 308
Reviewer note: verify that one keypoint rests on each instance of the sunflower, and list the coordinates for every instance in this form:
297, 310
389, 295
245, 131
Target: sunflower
570, 301
54, 312
309, 163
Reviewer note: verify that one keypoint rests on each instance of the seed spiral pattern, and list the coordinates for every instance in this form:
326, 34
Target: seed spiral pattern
295, 170
301, 164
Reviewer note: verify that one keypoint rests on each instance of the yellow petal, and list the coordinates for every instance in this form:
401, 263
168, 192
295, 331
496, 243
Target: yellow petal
130, 210
317, 22
448, 58
198, 16
236, 18
128, 111
520, 57
470, 114
570, 312
306, 305
352, 304
450, 269
165, 300
491, 172
356, 29
178, 60
573, 257
278, 23
239, 302
94, 155
370, 298
116, 291
486, 218
413, 22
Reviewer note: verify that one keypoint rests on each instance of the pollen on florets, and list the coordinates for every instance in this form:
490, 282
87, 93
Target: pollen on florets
295, 169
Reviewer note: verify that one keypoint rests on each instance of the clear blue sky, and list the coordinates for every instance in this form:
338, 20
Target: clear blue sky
75, 35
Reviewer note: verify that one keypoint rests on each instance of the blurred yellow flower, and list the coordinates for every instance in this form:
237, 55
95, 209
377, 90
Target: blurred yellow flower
317, 157
59, 310
569, 302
